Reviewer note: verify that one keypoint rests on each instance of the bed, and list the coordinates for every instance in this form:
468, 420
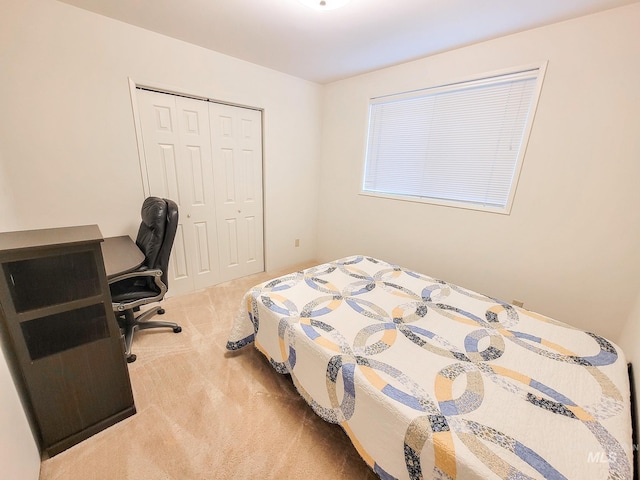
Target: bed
431, 380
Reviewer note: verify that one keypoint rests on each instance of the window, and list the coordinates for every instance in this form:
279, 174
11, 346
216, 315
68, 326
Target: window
460, 144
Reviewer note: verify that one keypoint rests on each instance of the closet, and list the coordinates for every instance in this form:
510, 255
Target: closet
207, 157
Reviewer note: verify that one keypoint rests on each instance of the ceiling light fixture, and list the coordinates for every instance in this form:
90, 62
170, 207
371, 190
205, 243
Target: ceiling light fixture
324, 4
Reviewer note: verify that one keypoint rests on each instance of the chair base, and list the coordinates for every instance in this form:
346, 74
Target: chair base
130, 323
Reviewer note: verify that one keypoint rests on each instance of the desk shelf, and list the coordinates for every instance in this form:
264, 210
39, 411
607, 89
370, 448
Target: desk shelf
60, 336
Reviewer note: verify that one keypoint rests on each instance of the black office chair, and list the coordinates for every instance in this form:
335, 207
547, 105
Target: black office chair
148, 283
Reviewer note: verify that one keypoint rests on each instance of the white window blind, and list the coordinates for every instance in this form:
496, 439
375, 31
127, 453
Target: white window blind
459, 143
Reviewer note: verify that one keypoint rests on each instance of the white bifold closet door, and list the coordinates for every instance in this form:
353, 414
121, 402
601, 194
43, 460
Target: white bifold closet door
236, 137
207, 157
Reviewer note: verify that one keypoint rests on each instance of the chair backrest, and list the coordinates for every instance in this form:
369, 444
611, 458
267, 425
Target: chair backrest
157, 233
169, 236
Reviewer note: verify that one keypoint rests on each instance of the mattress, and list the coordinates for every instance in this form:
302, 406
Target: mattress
432, 380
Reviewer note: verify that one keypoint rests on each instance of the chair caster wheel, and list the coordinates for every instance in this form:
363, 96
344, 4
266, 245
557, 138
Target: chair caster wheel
131, 358
160, 312
177, 329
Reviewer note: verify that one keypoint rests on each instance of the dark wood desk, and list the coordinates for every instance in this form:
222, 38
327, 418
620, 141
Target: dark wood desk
59, 334
120, 255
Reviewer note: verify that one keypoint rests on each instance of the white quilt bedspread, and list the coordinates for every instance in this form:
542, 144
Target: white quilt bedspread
430, 380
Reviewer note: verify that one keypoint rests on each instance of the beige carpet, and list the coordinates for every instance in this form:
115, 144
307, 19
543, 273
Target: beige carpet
204, 413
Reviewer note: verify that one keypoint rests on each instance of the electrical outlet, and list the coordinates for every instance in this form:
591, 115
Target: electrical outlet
518, 303
297, 242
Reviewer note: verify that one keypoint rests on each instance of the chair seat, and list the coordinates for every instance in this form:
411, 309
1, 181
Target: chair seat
131, 289
132, 295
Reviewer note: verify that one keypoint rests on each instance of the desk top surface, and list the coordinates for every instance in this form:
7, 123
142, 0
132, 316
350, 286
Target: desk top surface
49, 237
120, 255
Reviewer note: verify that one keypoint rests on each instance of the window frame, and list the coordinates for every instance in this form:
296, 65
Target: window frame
451, 85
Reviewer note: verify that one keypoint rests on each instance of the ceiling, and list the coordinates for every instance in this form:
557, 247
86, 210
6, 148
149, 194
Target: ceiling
324, 46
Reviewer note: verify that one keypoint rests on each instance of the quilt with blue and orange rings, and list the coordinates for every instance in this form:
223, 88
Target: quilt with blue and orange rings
431, 380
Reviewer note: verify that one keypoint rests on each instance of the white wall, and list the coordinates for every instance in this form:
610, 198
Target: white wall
630, 342
571, 246
68, 153
67, 135
19, 456
6, 199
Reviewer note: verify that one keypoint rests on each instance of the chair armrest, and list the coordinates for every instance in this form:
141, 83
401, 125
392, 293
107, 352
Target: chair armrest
141, 272
155, 274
